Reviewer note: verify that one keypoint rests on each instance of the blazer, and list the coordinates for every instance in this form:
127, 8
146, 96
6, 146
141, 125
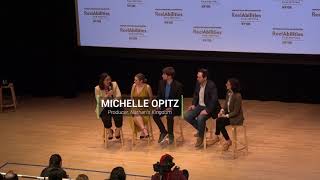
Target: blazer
176, 92
235, 113
100, 94
210, 98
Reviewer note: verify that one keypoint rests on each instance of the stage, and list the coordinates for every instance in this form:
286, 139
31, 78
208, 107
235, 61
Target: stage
283, 142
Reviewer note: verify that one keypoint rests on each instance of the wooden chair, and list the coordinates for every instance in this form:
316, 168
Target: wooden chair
178, 136
13, 97
210, 132
235, 141
149, 128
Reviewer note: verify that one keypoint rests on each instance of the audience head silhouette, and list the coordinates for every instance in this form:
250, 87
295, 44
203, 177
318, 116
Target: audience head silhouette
55, 161
11, 176
118, 174
82, 177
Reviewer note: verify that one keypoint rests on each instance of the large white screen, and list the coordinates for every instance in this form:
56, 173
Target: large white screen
263, 26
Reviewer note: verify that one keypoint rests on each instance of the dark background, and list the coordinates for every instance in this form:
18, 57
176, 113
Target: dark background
40, 55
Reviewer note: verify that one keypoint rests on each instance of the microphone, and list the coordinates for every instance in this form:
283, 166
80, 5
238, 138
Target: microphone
110, 89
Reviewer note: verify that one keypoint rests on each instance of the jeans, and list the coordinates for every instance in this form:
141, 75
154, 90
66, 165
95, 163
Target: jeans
196, 120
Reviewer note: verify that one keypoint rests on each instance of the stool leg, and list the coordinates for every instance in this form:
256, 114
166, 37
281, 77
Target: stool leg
181, 130
205, 137
121, 137
13, 95
234, 129
151, 131
175, 141
103, 133
174, 132
133, 138
211, 129
1, 100
106, 138
133, 132
245, 138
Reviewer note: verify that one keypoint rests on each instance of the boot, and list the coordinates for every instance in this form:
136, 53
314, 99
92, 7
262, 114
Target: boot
199, 142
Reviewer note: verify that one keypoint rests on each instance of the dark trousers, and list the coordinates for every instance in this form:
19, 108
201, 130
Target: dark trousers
106, 118
170, 121
196, 120
221, 124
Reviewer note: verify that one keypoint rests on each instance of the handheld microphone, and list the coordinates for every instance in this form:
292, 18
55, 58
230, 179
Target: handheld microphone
110, 89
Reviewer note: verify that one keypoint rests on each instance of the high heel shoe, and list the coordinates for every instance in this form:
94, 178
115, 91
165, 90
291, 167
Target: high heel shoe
110, 134
145, 133
226, 146
117, 133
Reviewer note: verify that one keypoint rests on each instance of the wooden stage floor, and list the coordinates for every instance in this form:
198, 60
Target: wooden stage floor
284, 142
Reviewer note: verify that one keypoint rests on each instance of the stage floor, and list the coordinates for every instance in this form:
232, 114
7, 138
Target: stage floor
284, 142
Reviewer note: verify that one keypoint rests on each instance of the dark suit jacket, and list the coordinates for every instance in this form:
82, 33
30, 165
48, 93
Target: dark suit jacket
210, 98
235, 114
175, 93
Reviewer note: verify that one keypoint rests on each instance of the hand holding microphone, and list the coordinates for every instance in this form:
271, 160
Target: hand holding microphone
110, 92
221, 113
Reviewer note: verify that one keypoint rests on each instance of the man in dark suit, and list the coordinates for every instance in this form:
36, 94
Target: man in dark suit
205, 104
168, 89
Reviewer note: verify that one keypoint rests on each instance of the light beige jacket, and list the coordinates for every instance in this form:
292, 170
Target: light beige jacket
101, 94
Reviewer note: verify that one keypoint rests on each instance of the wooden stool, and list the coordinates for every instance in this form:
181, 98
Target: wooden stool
235, 140
150, 131
210, 131
13, 97
106, 139
180, 121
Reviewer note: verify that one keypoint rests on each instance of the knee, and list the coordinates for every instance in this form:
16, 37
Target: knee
187, 116
201, 118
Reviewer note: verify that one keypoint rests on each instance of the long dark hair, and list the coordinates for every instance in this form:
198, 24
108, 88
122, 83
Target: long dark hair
118, 173
235, 85
103, 76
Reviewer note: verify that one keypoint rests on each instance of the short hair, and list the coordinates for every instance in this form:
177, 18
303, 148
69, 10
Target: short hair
102, 77
185, 173
10, 175
169, 71
141, 77
55, 160
235, 85
205, 72
82, 177
118, 173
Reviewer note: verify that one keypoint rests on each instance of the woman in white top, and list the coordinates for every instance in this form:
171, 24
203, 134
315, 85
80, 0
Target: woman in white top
108, 89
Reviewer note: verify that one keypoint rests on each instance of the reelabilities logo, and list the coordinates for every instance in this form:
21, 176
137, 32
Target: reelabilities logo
290, 4
133, 28
207, 30
96, 12
315, 13
246, 13
169, 12
288, 32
